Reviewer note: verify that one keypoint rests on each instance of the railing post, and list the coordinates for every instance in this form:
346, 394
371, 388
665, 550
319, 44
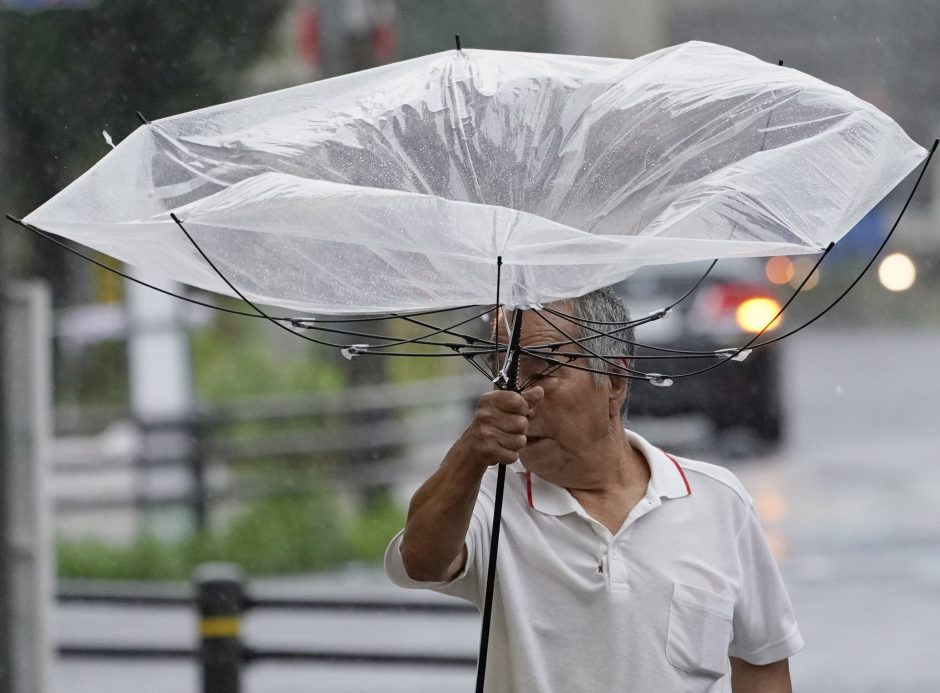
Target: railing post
197, 467
221, 601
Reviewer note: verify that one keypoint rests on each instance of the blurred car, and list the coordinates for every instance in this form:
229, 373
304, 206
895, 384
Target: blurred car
733, 303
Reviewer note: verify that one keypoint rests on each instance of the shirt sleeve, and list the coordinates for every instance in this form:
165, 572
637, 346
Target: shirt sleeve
765, 628
467, 584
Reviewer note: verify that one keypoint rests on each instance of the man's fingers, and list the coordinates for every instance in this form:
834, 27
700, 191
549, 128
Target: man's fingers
533, 396
505, 401
511, 442
491, 418
503, 448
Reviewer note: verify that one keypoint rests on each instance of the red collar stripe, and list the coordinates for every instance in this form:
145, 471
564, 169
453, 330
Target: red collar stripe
681, 473
528, 487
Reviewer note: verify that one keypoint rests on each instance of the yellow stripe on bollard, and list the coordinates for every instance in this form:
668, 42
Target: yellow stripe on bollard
220, 627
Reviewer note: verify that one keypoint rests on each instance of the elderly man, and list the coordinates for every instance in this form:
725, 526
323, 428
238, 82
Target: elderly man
620, 567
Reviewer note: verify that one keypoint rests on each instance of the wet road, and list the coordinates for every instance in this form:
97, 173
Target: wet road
851, 504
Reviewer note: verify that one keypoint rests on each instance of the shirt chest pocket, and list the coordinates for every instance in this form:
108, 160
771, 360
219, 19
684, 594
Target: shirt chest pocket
699, 631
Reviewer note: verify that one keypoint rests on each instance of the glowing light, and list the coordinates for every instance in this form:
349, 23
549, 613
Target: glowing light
778, 545
754, 314
897, 272
770, 506
801, 267
779, 270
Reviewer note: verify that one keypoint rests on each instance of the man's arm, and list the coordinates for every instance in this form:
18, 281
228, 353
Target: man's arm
767, 678
432, 547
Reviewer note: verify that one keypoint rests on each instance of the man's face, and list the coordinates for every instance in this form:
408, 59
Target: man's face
568, 429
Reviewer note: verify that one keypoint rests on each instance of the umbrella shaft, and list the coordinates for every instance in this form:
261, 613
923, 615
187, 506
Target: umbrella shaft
512, 375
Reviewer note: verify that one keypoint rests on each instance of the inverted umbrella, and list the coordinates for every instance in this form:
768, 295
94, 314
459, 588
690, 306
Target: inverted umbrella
445, 180
397, 188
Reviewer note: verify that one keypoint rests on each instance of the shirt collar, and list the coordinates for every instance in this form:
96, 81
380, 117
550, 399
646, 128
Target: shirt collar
667, 480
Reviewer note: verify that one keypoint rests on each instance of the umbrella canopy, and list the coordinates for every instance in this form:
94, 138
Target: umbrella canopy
398, 188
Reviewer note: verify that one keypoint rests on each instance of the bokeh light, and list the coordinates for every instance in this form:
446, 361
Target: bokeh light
897, 272
779, 269
802, 267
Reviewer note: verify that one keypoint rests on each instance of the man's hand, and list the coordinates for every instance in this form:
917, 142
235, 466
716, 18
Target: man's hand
497, 433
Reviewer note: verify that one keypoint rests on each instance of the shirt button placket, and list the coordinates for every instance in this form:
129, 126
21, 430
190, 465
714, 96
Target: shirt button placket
618, 569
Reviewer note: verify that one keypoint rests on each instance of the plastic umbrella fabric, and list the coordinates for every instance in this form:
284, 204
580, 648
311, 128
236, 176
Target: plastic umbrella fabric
397, 188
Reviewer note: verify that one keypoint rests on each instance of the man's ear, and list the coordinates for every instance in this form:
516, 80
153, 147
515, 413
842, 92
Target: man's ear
618, 390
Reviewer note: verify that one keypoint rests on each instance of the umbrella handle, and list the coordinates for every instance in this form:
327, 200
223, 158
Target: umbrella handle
512, 376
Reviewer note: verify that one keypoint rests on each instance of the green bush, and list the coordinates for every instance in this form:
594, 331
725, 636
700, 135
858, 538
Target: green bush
237, 357
296, 533
370, 530
148, 558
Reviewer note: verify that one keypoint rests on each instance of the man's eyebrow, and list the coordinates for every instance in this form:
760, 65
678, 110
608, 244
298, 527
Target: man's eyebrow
541, 359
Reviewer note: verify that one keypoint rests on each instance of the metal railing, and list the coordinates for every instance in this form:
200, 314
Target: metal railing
221, 600
371, 426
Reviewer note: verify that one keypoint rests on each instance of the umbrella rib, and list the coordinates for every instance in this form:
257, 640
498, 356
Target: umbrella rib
245, 298
726, 355
277, 320
470, 339
296, 321
372, 318
656, 315
573, 340
124, 275
260, 314
421, 339
870, 262
731, 354
659, 313
633, 375
656, 357
613, 334
550, 368
423, 354
752, 343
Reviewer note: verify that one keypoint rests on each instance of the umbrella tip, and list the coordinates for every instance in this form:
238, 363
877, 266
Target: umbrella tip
780, 63
141, 118
457, 39
14, 219
934, 147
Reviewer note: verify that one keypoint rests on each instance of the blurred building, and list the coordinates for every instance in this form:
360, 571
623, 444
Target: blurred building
884, 53
323, 38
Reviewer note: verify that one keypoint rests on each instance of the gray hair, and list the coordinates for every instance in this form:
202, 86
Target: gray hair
596, 308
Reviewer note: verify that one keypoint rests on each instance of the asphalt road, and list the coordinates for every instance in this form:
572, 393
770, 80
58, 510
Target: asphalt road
851, 504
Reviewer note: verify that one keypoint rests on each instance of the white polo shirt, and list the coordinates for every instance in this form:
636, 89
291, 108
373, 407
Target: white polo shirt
659, 606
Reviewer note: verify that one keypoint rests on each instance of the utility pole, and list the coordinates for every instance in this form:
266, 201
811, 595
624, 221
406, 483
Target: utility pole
6, 548
26, 557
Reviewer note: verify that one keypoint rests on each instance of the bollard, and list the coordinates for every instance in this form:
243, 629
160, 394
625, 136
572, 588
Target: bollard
221, 600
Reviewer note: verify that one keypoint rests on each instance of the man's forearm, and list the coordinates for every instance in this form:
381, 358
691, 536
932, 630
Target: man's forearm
767, 678
438, 519
440, 511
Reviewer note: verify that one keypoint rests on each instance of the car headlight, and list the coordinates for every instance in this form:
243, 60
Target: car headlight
754, 314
